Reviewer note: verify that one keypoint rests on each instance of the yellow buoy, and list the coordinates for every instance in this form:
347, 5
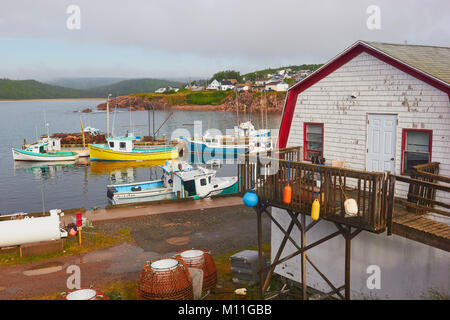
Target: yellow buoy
315, 210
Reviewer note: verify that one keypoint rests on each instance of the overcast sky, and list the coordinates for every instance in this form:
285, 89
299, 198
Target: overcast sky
196, 38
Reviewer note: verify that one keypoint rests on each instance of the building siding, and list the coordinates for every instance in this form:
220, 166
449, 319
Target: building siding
380, 88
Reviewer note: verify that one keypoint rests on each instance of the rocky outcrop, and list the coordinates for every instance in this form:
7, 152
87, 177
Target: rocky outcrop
246, 101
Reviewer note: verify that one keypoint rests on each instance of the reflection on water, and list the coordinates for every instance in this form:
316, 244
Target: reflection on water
126, 171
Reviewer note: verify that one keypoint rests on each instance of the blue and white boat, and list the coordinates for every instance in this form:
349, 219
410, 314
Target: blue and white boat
179, 180
246, 139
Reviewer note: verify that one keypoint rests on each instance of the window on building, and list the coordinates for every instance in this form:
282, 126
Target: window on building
416, 148
312, 140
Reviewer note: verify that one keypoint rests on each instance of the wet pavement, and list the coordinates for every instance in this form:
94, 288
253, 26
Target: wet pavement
156, 235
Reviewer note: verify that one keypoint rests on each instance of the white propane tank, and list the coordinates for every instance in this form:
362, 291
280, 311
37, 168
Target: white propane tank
30, 229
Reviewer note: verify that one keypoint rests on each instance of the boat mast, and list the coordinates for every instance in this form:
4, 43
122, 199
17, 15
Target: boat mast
107, 115
82, 132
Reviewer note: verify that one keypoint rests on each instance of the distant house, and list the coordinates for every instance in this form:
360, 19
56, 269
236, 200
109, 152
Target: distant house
214, 85
233, 81
261, 82
242, 87
160, 90
277, 86
226, 85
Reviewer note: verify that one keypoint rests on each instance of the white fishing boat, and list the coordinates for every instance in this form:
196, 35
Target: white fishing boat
37, 152
179, 180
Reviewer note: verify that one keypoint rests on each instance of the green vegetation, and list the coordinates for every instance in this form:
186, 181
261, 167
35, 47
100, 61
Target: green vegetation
31, 89
252, 76
92, 240
186, 97
207, 97
227, 74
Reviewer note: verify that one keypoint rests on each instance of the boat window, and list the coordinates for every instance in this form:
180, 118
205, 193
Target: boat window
209, 179
189, 186
123, 145
111, 144
203, 182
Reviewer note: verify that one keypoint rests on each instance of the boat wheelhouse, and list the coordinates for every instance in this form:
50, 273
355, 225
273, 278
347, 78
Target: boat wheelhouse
179, 180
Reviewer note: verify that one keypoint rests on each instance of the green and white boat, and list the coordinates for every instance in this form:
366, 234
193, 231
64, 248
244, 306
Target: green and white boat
36, 152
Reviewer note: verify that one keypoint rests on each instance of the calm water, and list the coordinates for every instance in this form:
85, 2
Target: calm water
77, 185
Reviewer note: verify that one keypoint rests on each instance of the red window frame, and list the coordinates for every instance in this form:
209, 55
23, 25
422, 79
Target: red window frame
430, 142
305, 145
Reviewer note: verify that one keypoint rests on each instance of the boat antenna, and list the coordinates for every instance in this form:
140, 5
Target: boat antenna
114, 120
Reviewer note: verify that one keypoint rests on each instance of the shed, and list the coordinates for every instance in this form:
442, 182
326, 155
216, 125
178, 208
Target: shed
376, 107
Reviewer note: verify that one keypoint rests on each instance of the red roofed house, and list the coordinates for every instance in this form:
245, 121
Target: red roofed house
376, 107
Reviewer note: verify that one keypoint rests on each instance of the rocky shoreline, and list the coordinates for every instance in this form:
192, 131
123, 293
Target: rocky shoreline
247, 102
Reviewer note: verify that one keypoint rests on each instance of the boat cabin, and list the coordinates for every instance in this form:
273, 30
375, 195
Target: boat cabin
189, 181
36, 148
121, 144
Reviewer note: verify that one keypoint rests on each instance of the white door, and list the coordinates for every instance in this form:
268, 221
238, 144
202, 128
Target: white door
381, 142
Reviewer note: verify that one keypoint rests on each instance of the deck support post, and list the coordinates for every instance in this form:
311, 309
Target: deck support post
259, 211
303, 256
348, 241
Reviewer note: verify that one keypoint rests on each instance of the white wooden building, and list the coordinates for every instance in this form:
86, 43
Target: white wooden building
214, 85
377, 107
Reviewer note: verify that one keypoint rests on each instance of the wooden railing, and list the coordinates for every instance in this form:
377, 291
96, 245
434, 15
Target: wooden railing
423, 185
268, 175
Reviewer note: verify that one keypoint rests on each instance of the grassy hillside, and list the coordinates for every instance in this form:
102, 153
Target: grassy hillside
133, 86
31, 89
84, 83
252, 76
185, 97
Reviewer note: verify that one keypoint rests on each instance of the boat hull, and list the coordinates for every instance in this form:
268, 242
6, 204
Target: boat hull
153, 191
22, 155
203, 153
102, 154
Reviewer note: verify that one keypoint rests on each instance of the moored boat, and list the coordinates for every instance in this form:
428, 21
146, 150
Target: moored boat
245, 139
179, 180
123, 149
36, 152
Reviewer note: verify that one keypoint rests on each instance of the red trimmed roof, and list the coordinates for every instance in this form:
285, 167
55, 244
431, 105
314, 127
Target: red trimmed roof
337, 62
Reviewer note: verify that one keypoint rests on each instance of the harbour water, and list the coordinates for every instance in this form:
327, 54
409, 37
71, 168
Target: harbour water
27, 187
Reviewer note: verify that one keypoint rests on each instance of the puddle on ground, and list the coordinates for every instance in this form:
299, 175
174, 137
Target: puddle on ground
44, 268
178, 241
124, 258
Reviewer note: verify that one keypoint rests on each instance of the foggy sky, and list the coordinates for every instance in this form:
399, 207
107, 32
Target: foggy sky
196, 38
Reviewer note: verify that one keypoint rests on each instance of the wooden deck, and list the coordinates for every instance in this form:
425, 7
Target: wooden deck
422, 229
374, 193
410, 218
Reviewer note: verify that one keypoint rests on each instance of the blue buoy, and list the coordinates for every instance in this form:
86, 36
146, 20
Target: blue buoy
250, 199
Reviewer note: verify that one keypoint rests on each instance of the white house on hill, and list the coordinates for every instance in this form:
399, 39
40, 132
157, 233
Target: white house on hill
214, 85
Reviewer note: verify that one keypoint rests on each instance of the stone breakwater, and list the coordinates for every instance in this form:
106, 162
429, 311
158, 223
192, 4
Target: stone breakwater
246, 101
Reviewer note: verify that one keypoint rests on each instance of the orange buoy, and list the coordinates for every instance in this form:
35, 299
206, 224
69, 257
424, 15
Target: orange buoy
287, 194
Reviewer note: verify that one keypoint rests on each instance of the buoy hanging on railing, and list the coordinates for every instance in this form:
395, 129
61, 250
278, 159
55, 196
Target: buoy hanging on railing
287, 192
315, 210
250, 198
